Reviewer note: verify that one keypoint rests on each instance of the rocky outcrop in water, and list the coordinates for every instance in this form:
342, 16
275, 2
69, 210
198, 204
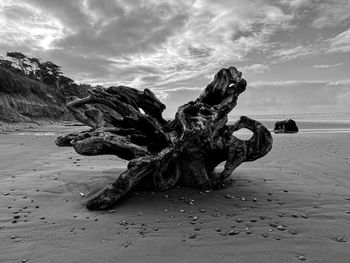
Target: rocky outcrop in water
286, 126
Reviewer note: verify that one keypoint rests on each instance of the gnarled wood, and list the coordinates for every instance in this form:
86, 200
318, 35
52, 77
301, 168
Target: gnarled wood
163, 154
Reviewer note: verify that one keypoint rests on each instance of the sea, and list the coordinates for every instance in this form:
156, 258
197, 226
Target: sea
307, 122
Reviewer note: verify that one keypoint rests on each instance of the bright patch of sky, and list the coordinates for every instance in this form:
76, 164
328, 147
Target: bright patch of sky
292, 52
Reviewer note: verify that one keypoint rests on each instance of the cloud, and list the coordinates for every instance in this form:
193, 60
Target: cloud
328, 66
255, 69
340, 43
182, 39
330, 13
290, 53
294, 96
321, 13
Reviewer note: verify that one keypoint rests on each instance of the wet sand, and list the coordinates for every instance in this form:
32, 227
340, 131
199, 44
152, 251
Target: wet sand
290, 206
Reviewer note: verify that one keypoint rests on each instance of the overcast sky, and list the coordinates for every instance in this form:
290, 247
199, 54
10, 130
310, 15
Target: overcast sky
295, 54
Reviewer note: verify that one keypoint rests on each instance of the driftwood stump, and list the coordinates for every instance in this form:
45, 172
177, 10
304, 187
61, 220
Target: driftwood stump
162, 154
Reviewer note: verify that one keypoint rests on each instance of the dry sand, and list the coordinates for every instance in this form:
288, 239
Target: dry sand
293, 205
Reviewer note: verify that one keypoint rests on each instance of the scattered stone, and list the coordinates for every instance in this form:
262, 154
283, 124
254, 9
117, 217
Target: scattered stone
339, 239
264, 235
291, 232
218, 229
302, 258
6, 193
182, 211
239, 220
255, 200
165, 210
14, 221
111, 211
202, 210
294, 215
16, 217
82, 194
233, 232
281, 228
192, 236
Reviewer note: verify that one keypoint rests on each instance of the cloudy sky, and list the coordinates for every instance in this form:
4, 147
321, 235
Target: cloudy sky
295, 54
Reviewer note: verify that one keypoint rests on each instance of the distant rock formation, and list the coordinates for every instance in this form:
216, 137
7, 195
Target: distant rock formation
286, 126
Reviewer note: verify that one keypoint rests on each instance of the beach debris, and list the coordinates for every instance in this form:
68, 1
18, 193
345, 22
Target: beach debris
162, 154
302, 258
281, 228
340, 239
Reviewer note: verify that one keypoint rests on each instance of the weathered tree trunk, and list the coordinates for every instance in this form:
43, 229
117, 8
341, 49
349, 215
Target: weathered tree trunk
163, 154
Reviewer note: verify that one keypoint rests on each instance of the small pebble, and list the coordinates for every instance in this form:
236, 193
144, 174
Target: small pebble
182, 211
302, 258
165, 210
233, 232
340, 239
281, 228
192, 236
239, 220
218, 229
202, 210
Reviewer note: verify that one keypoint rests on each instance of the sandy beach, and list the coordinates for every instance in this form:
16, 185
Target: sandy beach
292, 205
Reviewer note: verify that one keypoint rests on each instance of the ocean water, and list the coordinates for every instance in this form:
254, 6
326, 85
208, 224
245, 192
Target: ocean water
308, 123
